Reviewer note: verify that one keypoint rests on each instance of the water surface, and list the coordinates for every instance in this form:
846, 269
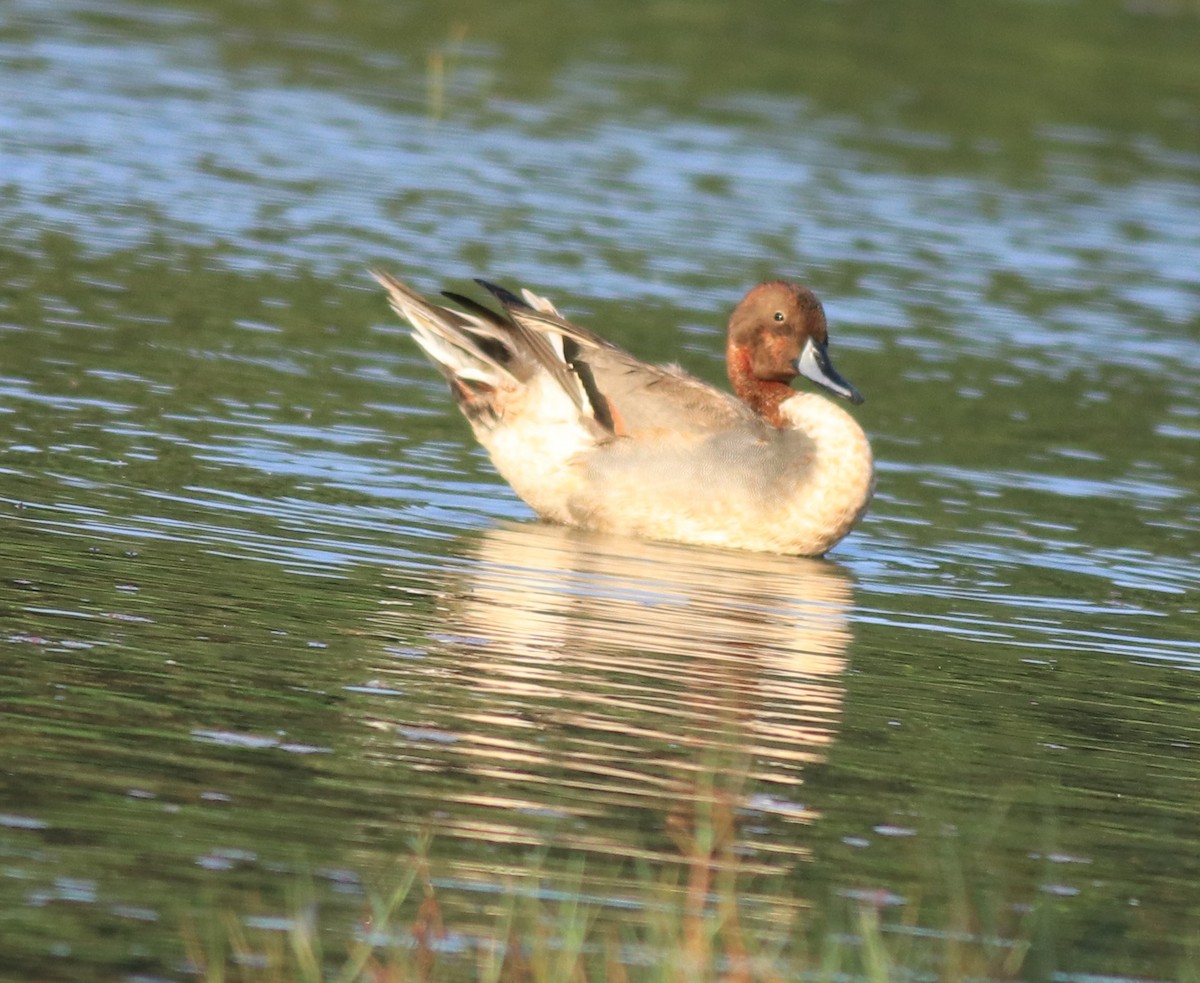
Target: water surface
267, 612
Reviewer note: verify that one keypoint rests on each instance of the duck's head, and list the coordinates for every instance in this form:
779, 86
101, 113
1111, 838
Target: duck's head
776, 333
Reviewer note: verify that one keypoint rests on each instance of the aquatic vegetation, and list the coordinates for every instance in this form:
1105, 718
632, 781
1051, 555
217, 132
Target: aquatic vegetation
701, 918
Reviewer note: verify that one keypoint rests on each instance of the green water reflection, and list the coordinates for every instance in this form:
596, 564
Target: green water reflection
266, 613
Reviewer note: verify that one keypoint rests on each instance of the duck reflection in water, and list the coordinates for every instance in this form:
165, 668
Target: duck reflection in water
581, 675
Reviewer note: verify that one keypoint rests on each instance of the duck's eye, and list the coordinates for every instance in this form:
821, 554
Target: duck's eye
779, 315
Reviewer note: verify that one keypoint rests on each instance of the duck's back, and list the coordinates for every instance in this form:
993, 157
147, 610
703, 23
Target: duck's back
641, 400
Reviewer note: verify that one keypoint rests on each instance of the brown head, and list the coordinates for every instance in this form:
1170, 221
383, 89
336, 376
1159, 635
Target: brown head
776, 333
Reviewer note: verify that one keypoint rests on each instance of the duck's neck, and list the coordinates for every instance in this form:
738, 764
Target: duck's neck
763, 396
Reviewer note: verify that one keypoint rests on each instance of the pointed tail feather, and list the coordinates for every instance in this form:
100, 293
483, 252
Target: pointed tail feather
476, 347
462, 346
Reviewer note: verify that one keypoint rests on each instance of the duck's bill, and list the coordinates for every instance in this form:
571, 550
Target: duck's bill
815, 366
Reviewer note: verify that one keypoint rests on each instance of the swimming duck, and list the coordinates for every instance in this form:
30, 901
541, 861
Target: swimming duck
589, 436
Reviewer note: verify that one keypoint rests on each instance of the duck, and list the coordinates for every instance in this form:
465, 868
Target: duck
590, 436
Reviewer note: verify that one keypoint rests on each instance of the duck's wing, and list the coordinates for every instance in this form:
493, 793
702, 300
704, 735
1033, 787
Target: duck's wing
630, 397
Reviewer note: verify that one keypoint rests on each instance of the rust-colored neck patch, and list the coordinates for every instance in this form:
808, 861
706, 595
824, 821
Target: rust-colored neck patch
761, 395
